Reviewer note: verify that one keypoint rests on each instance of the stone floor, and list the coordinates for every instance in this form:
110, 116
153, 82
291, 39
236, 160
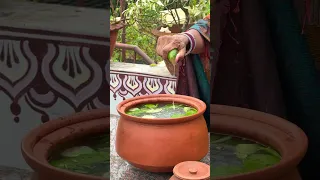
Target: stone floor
7, 173
121, 170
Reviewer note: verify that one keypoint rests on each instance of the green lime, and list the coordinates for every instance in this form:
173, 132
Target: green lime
172, 55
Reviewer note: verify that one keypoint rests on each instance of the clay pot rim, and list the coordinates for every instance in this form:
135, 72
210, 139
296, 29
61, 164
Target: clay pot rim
291, 153
36, 135
188, 100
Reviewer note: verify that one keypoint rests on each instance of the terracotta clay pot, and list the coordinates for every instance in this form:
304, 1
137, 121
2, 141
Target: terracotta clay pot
40, 142
285, 137
157, 145
114, 28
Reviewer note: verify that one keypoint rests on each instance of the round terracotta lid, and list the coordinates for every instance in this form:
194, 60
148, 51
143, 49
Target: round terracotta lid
192, 170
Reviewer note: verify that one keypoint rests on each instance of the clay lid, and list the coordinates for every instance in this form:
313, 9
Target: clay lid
192, 170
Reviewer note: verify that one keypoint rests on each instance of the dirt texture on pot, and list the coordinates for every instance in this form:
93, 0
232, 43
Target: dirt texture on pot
40, 142
114, 28
288, 139
157, 145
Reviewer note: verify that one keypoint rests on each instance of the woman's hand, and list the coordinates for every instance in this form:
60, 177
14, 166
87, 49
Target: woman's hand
167, 43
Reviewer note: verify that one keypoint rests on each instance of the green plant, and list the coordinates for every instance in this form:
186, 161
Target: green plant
144, 41
142, 12
198, 10
115, 11
141, 16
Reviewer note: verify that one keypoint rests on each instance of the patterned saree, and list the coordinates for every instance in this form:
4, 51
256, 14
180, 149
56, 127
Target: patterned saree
193, 77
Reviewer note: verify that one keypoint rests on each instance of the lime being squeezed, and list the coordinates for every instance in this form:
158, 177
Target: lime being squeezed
172, 58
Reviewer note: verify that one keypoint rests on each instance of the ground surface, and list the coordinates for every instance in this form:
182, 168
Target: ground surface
7, 173
121, 170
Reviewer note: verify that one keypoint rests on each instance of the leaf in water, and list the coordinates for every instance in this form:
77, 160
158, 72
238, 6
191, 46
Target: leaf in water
244, 150
271, 151
186, 109
191, 111
177, 115
151, 106
76, 151
137, 111
82, 160
226, 170
134, 109
259, 161
149, 116
169, 106
154, 110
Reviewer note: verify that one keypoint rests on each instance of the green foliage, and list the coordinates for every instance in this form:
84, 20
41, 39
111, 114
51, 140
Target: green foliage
142, 16
144, 41
198, 10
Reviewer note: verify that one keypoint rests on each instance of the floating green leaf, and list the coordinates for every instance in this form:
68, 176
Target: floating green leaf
177, 115
151, 106
259, 161
186, 109
190, 111
76, 151
250, 156
169, 106
81, 160
270, 151
244, 150
154, 110
134, 109
137, 111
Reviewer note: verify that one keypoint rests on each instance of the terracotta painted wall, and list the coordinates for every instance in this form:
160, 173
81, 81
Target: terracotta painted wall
124, 85
45, 75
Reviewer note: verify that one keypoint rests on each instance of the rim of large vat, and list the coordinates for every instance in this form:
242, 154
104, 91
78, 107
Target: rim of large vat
38, 163
285, 137
123, 106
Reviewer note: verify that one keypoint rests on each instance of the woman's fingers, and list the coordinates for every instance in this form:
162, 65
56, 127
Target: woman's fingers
162, 41
181, 54
165, 44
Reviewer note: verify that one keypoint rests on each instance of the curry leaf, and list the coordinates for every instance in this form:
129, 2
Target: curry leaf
154, 110
243, 150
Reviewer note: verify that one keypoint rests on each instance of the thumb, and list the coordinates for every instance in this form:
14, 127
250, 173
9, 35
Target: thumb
181, 54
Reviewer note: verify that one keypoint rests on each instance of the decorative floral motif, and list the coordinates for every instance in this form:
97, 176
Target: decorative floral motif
138, 84
43, 68
132, 84
75, 78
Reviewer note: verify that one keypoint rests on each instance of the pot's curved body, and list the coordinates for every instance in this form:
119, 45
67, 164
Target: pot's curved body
40, 142
157, 145
289, 140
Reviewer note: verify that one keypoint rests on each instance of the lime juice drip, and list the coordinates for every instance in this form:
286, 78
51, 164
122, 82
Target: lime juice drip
172, 58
